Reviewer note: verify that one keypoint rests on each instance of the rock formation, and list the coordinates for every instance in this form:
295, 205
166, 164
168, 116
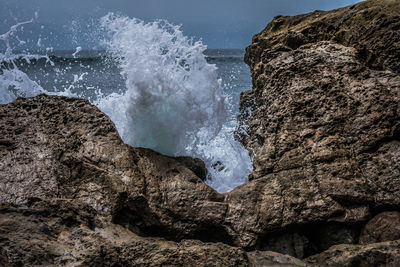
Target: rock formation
371, 27
376, 254
73, 193
322, 122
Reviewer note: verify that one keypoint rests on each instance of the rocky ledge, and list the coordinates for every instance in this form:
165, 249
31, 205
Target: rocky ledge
72, 193
322, 122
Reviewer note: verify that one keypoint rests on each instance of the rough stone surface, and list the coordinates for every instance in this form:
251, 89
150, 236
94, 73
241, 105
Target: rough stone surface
324, 130
323, 124
76, 153
66, 148
383, 227
62, 232
72, 193
377, 254
371, 27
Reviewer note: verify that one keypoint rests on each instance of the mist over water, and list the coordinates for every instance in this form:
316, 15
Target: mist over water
157, 85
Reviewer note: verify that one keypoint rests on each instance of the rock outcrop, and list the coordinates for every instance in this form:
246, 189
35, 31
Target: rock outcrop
62, 232
377, 254
371, 27
324, 129
322, 122
66, 148
383, 227
72, 193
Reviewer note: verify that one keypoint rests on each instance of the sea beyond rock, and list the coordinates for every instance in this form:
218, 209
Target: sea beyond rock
322, 123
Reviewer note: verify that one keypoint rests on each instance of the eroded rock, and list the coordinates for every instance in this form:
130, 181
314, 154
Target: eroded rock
321, 126
67, 148
383, 227
371, 27
62, 232
73, 193
322, 122
377, 254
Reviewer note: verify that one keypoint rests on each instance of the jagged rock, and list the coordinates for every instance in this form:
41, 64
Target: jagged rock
67, 148
371, 27
62, 232
383, 227
72, 193
323, 124
377, 254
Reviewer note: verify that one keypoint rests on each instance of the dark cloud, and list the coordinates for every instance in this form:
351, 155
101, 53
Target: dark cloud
220, 23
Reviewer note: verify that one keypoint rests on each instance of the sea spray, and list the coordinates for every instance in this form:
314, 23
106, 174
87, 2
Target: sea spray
14, 82
172, 100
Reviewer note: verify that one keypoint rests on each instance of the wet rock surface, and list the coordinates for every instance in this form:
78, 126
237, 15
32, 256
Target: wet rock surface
322, 122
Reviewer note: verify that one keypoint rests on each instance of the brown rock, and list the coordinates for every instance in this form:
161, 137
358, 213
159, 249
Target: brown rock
322, 122
371, 27
73, 193
62, 232
321, 126
66, 148
378, 254
383, 227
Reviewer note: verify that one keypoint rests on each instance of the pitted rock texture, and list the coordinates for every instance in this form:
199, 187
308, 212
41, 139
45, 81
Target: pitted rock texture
72, 193
323, 124
371, 27
324, 130
376, 254
383, 227
66, 148
62, 232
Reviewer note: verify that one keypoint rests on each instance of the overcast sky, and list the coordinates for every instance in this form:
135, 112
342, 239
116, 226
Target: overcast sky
65, 24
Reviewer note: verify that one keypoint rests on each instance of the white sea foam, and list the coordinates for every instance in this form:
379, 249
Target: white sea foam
77, 50
13, 82
174, 102
6, 36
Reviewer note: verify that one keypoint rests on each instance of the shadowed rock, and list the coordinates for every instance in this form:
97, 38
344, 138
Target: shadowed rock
377, 254
322, 122
73, 193
383, 227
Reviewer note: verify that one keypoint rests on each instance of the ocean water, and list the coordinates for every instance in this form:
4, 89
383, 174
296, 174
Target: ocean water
162, 90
